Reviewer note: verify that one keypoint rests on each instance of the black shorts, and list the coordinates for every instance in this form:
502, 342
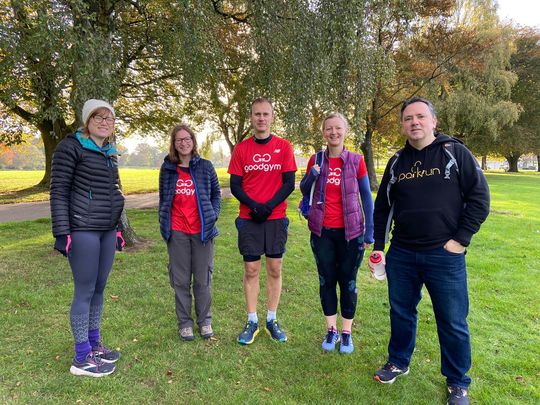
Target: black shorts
268, 238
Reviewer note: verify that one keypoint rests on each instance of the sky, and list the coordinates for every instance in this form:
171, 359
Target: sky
521, 12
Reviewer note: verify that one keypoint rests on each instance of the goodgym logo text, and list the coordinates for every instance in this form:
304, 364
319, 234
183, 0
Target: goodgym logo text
262, 163
185, 187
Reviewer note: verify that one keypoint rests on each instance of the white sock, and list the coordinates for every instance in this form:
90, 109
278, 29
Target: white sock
270, 316
252, 317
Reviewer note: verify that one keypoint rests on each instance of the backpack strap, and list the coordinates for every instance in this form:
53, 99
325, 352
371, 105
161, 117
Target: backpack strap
391, 182
393, 177
318, 161
449, 150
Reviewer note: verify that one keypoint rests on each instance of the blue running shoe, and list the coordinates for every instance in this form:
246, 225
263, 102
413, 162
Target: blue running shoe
275, 331
105, 354
92, 366
330, 340
247, 336
346, 346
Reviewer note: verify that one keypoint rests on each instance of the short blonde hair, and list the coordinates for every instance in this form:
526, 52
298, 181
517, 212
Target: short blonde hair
335, 115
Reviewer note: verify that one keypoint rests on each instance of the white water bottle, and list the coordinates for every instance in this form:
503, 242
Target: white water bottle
377, 266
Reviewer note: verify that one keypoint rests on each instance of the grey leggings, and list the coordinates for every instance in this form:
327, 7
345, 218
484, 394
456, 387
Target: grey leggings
91, 257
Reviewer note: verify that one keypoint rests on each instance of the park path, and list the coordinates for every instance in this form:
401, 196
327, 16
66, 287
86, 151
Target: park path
35, 210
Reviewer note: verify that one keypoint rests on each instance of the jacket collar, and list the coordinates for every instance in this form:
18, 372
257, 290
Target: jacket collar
88, 143
172, 166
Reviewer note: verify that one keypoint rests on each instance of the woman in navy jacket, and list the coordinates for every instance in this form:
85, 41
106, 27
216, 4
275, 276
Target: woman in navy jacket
189, 205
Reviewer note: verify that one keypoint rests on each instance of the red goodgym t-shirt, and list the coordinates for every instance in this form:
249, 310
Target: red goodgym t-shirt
185, 211
261, 166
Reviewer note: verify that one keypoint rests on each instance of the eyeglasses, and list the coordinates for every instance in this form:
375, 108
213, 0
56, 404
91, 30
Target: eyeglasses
99, 119
183, 140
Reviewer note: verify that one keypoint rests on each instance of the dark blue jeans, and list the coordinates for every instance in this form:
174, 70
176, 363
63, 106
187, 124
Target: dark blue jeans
445, 277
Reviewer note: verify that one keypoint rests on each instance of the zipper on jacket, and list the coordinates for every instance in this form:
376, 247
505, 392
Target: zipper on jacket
90, 194
198, 203
175, 177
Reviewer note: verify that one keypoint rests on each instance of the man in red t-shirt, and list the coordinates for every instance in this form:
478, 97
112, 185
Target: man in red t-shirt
262, 177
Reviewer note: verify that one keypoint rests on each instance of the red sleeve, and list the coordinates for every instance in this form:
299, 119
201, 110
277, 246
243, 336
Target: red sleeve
289, 163
235, 165
362, 169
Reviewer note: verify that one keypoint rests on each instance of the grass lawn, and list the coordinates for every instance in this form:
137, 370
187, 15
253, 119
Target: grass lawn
156, 367
20, 185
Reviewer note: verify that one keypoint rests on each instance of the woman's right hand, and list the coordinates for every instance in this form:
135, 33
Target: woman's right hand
316, 168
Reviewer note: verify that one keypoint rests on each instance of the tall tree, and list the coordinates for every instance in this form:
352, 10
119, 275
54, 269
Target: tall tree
474, 98
227, 89
56, 54
524, 135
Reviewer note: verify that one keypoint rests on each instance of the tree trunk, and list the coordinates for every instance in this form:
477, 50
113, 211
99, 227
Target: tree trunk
49, 143
513, 163
484, 162
128, 232
367, 150
538, 163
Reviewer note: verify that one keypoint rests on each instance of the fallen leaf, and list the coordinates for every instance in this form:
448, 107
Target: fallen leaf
520, 378
135, 340
114, 297
268, 389
169, 372
57, 358
169, 382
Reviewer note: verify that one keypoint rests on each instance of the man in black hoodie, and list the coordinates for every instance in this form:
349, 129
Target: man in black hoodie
437, 197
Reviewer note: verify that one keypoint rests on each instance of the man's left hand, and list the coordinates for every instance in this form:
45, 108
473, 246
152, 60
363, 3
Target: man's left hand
454, 246
260, 213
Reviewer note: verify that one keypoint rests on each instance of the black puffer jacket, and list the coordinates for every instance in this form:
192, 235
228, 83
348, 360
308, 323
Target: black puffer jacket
85, 192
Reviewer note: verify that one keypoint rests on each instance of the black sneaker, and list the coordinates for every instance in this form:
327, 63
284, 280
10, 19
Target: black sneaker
105, 354
457, 396
389, 372
92, 366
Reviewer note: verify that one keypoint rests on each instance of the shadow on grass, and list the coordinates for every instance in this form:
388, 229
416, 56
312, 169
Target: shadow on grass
30, 194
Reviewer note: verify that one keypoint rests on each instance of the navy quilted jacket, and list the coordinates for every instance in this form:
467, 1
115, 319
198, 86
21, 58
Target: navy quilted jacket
206, 189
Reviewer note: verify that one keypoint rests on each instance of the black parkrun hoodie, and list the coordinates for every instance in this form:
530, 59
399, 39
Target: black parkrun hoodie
433, 201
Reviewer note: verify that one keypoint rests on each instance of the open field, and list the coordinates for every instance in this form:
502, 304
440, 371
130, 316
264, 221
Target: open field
19, 185
156, 367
